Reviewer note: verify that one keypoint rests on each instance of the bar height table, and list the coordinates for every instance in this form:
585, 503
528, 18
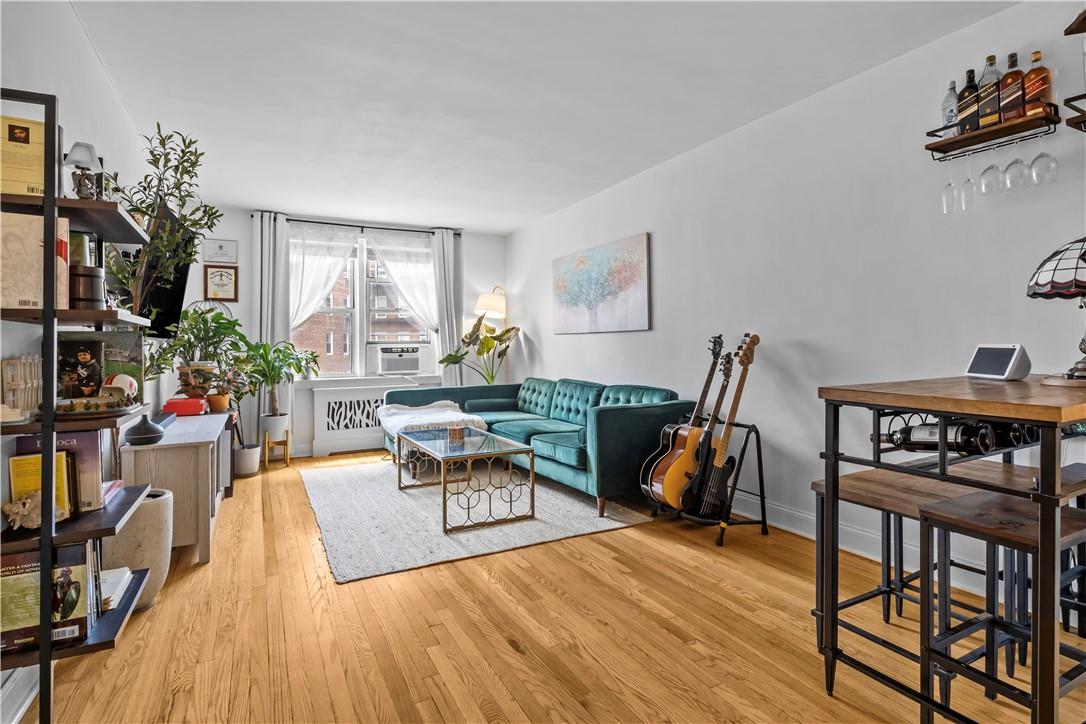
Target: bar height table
1051, 408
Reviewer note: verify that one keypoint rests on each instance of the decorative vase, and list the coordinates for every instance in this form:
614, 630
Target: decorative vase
246, 461
194, 379
145, 541
218, 403
144, 432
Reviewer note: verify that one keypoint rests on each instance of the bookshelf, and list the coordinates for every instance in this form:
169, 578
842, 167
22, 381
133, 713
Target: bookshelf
88, 526
105, 218
77, 317
77, 424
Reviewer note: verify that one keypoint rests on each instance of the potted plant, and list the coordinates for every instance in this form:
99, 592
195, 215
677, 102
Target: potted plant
272, 365
165, 203
204, 342
238, 383
489, 347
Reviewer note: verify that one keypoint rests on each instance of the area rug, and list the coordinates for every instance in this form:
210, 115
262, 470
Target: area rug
370, 528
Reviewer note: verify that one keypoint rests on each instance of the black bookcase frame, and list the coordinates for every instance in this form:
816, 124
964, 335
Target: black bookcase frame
49, 392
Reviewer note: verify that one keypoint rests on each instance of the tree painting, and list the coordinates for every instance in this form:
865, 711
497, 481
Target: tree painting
603, 289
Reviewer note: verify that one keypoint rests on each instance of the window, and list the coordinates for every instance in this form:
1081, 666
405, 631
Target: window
325, 260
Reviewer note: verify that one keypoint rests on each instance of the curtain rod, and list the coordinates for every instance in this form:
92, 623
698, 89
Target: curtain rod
363, 227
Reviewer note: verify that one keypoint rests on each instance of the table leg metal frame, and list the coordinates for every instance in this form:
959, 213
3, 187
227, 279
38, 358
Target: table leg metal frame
1045, 593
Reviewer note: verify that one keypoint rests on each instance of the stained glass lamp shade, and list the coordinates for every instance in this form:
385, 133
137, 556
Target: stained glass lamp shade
1062, 275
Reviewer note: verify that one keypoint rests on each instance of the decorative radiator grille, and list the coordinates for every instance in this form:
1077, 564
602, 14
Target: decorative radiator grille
352, 414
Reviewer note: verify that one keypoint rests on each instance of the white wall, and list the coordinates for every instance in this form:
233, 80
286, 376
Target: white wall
820, 228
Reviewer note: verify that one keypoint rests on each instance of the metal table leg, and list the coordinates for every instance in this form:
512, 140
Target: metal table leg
830, 544
927, 602
1046, 578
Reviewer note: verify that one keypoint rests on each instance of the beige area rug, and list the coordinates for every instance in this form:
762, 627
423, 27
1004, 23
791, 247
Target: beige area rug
370, 528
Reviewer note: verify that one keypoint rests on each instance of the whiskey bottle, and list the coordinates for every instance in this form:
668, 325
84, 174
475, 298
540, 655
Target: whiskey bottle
1037, 86
988, 95
950, 110
968, 117
1010, 90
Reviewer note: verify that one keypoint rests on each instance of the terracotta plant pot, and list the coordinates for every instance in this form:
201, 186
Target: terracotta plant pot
194, 379
218, 403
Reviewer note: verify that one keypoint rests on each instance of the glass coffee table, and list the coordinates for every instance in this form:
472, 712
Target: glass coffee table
479, 484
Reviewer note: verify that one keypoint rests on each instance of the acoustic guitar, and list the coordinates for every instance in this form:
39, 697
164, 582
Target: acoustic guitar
707, 494
693, 445
674, 437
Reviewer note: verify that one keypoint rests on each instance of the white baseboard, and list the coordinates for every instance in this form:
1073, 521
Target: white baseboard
18, 692
861, 541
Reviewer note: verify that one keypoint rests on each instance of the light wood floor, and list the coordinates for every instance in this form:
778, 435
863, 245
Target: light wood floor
645, 623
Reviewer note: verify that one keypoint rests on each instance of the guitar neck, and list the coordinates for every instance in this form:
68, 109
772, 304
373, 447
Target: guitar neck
705, 391
725, 438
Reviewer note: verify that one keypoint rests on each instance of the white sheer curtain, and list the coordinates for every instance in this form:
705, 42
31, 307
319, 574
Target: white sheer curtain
271, 308
318, 255
450, 305
408, 257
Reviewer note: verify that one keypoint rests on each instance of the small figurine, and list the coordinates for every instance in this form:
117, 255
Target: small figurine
26, 512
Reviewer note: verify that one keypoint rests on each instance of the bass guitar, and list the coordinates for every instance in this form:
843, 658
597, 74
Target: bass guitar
693, 445
706, 497
673, 438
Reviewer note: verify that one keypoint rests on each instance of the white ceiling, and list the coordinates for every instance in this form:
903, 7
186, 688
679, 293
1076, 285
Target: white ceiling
476, 115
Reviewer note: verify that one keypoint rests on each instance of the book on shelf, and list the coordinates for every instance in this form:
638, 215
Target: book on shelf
21, 261
110, 490
114, 583
22, 156
85, 448
24, 477
74, 614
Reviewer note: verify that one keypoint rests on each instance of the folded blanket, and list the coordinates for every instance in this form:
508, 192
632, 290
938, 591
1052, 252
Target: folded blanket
435, 416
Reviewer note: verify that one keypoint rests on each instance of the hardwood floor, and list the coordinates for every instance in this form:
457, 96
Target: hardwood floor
650, 623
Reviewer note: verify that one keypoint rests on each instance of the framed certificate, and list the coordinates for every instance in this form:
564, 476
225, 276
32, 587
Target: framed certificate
220, 282
219, 251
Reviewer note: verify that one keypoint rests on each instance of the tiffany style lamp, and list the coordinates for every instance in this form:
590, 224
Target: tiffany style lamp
1062, 275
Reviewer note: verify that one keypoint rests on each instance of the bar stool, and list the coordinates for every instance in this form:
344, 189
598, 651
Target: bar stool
898, 496
1001, 520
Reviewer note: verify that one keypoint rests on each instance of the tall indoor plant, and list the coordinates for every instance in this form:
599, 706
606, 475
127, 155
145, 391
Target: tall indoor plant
488, 346
165, 202
272, 365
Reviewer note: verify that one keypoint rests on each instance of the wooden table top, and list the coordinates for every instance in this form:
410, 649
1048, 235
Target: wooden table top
1026, 400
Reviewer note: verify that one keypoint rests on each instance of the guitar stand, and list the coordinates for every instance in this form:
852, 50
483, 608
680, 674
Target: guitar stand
733, 487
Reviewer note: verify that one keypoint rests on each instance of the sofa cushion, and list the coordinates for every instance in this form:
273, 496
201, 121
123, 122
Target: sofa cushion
535, 396
564, 447
524, 430
634, 395
491, 405
493, 417
572, 398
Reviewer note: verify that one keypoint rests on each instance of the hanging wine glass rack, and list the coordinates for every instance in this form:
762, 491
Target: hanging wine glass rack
1008, 133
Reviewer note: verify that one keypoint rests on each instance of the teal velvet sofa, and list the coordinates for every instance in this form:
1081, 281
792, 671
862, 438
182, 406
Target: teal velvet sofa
588, 436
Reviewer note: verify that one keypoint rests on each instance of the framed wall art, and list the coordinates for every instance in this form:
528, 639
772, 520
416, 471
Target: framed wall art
220, 283
603, 289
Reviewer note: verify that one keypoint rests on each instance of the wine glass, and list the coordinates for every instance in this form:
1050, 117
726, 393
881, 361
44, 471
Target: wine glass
967, 195
1016, 175
1044, 169
990, 179
950, 197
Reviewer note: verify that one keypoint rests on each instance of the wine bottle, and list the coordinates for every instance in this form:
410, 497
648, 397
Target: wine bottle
964, 439
1037, 86
950, 110
1010, 90
968, 116
1008, 434
988, 95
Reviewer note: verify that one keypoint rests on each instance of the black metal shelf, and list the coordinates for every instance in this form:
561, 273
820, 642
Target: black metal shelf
102, 636
88, 526
105, 218
77, 317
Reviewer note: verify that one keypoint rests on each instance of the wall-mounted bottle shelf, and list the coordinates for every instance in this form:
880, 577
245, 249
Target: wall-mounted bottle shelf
986, 139
1077, 26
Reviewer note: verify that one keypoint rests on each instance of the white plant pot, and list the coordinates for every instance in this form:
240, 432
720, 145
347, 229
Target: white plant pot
275, 425
145, 541
246, 461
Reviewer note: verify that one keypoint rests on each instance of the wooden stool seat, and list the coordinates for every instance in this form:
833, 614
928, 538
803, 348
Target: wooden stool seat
903, 494
1002, 519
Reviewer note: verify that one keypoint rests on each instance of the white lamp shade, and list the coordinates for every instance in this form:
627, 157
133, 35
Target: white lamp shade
83, 155
492, 304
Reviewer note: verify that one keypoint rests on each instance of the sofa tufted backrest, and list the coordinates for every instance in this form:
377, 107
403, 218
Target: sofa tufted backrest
535, 396
635, 395
572, 398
